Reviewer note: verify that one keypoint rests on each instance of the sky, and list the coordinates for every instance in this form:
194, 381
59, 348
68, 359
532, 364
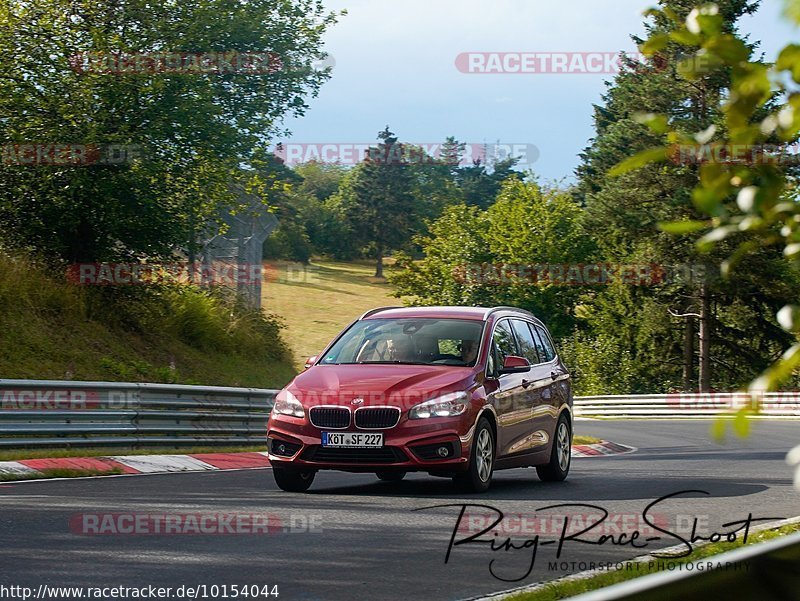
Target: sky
395, 64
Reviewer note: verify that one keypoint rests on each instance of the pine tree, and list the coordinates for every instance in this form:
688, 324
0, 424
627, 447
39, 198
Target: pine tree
383, 208
659, 325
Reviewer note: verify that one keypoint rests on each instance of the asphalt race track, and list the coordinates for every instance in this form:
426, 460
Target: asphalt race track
353, 537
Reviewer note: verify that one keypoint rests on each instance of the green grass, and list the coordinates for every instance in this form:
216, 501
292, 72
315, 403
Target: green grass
54, 330
316, 301
566, 589
59, 473
581, 439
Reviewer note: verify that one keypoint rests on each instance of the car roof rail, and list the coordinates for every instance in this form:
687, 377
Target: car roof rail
374, 311
509, 308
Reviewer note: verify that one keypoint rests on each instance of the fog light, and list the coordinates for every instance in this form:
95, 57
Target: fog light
282, 449
443, 451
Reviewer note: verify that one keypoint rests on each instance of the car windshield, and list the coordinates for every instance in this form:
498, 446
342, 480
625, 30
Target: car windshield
408, 342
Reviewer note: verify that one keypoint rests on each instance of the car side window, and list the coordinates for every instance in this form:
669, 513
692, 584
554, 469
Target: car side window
525, 340
547, 345
504, 340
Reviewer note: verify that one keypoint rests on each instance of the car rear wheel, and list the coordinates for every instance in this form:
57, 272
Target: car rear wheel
557, 468
292, 480
478, 477
390, 476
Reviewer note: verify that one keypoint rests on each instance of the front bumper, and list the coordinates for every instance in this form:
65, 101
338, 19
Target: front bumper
412, 445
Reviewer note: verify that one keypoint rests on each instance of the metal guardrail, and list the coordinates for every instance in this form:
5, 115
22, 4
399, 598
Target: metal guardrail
38, 413
79, 414
767, 571
687, 405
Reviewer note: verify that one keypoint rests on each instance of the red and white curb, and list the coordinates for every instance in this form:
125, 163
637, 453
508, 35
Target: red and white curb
601, 449
157, 464
140, 464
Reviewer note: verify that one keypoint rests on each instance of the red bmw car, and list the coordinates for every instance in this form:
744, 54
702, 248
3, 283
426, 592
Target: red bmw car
457, 392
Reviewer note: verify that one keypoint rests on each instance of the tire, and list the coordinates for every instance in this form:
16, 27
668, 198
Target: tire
478, 477
292, 480
557, 468
390, 475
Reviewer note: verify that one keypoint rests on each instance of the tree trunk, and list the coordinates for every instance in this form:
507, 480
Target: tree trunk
705, 339
379, 263
688, 354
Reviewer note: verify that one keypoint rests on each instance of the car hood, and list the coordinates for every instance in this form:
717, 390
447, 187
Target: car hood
395, 385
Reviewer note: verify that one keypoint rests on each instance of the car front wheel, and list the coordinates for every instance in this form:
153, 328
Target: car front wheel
292, 480
478, 477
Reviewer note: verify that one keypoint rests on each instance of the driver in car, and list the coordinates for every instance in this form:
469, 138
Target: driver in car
469, 351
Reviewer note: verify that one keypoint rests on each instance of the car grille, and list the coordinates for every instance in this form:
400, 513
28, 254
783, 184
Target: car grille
330, 417
355, 456
370, 418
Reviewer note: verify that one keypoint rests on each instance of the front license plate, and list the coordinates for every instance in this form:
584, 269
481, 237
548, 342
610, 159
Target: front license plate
352, 440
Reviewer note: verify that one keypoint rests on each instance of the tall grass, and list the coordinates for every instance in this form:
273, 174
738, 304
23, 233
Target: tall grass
51, 328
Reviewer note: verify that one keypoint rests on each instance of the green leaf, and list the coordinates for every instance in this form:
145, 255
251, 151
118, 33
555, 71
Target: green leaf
655, 43
741, 423
789, 60
682, 227
792, 10
700, 64
685, 37
637, 161
729, 48
657, 123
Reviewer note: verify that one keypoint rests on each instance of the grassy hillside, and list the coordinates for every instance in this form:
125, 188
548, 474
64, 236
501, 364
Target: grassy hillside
50, 329
316, 301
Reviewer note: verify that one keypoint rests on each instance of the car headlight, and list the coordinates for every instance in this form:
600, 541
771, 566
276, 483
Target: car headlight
447, 405
288, 405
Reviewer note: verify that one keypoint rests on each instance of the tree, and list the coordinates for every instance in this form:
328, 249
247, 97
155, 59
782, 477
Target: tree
383, 206
658, 325
480, 183
194, 130
747, 198
504, 255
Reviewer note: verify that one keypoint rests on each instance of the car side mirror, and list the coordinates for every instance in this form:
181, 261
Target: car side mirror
515, 365
311, 361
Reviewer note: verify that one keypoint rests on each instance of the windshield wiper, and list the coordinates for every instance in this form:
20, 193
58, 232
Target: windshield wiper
395, 362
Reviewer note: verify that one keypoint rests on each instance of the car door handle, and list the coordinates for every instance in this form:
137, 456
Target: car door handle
527, 384
554, 375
